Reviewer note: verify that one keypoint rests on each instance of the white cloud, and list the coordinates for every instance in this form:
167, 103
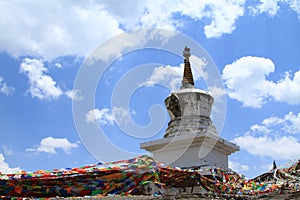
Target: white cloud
123, 12
50, 145
295, 5
171, 76
260, 128
221, 15
106, 116
82, 26
292, 122
103, 116
289, 124
36, 31
271, 7
198, 67
276, 137
167, 76
238, 167
7, 151
287, 89
74, 95
246, 82
266, 6
286, 147
217, 92
122, 115
245, 79
5, 168
224, 15
272, 121
41, 86
159, 15
58, 65
4, 89
7, 90
126, 41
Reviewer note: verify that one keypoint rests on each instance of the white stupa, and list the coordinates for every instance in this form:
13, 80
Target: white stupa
190, 140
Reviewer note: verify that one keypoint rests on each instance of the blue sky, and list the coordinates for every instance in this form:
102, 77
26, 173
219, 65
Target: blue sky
46, 46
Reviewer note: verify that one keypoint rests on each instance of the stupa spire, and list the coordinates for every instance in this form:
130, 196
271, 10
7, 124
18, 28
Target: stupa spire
187, 81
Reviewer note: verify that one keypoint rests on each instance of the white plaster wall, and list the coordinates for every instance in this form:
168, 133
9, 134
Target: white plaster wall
182, 157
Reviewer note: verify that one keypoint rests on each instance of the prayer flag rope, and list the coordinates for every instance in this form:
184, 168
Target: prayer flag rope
131, 177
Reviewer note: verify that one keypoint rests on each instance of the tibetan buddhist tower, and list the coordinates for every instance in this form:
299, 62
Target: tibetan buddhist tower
190, 140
